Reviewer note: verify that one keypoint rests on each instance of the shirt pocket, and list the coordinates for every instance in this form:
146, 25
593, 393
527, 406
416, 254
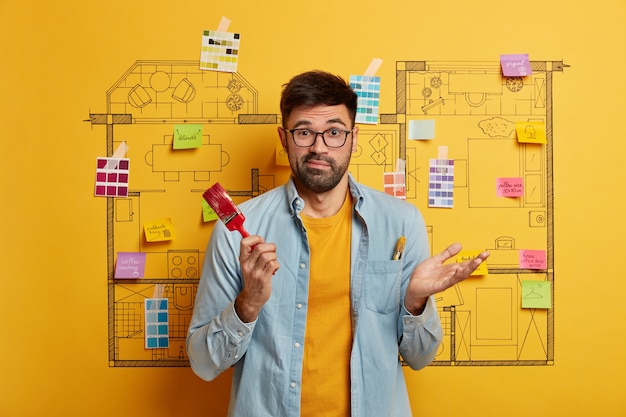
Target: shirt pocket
382, 286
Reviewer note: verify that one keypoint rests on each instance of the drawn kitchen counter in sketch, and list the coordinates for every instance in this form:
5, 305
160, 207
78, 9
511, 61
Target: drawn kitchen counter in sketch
474, 108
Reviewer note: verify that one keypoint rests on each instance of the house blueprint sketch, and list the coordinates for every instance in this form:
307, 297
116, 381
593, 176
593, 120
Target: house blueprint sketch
475, 110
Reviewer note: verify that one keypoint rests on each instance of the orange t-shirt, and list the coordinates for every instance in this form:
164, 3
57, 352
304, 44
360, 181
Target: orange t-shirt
328, 334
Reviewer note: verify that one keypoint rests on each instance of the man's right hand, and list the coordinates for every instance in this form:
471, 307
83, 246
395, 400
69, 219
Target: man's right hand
259, 263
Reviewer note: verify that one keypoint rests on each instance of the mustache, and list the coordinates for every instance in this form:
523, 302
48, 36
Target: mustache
316, 157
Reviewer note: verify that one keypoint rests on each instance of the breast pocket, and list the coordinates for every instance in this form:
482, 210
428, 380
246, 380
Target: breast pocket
382, 286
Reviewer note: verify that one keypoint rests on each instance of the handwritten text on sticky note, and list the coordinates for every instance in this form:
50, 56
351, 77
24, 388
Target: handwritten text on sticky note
515, 65
509, 187
469, 255
159, 230
130, 264
187, 136
532, 259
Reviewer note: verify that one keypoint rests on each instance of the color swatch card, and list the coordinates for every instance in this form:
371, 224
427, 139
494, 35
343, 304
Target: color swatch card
441, 183
395, 184
367, 89
468, 255
157, 323
130, 265
220, 51
515, 65
112, 177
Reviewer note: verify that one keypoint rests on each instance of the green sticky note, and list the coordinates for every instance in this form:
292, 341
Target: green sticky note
536, 294
208, 214
187, 136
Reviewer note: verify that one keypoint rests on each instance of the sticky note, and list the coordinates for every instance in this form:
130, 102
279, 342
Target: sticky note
130, 265
469, 255
531, 132
187, 136
532, 259
159, 230
515, 65
421, 129
510, 187
536, 294
394, 184
156, 323
208, 214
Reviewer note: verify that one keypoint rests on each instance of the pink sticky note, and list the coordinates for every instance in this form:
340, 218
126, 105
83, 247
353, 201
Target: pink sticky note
130, 265
510, 187
515, 65
532, 259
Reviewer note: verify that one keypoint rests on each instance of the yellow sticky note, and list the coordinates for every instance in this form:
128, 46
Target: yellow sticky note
208, 214
281, 155
159, 230
531, 132
471, 254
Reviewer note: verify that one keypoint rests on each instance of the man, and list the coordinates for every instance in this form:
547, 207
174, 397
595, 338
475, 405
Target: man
312, 310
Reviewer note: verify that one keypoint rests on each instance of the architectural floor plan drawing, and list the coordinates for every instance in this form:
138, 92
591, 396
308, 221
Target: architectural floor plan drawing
474, 109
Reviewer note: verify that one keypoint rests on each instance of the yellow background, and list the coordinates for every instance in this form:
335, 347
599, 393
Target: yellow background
58, 59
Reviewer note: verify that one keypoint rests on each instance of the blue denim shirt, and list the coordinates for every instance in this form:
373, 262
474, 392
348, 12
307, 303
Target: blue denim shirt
267, 354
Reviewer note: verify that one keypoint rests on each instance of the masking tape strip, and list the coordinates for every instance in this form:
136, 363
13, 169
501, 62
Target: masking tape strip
373, 67
400, 165
224, 24
117, 155
443, 152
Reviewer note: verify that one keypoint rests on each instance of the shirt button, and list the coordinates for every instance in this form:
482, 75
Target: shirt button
292, 385
299, 306
240, 333
296, 345
302, 266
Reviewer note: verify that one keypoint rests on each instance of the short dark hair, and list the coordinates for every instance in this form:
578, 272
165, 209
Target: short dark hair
313, 88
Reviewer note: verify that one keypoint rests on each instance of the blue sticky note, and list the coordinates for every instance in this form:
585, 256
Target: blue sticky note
421, 129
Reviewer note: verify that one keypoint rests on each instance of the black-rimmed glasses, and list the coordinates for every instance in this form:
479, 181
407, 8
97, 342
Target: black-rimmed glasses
332, 138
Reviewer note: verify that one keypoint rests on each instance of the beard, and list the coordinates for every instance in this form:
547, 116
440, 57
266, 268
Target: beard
317, 180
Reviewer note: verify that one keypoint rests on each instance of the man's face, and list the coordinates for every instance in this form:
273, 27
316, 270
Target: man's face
317, 167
